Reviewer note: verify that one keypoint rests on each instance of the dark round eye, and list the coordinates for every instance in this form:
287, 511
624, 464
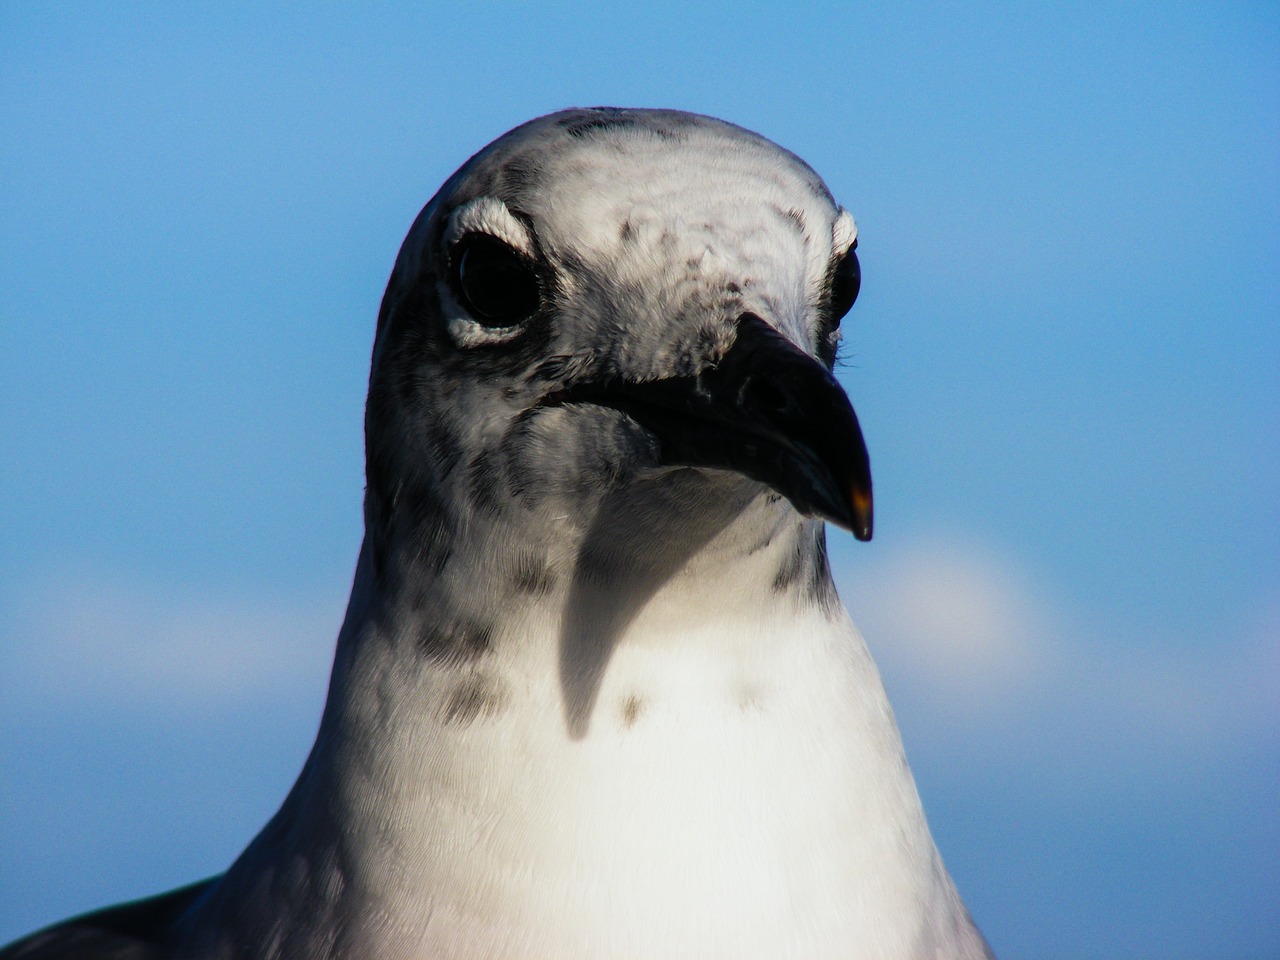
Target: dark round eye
845, 281
496, 285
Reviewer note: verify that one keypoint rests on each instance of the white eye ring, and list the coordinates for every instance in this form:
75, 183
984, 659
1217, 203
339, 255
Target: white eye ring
464, 329
488, 215
844, 232
484, 216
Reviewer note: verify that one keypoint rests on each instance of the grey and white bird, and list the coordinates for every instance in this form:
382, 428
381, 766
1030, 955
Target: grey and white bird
595, 695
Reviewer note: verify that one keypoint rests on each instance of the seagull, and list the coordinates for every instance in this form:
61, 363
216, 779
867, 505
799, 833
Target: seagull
595, 695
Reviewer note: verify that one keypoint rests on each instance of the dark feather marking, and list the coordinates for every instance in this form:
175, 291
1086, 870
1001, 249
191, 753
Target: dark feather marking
516, 176
521, 479
632, 707
604, 119
562, 369
460, 641
792, 217
819, 585
482, 486
828, 343
446, 447
532, 575
791, 569
421, 515
475, 697
599, 120
807, 564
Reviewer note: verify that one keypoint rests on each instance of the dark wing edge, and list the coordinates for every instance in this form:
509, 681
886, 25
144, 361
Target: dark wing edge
137, 930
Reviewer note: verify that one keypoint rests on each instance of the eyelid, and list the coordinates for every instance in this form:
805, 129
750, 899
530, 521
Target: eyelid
844, 233
465, 330
490, 216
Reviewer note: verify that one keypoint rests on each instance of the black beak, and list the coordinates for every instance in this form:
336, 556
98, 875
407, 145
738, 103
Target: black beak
767, 410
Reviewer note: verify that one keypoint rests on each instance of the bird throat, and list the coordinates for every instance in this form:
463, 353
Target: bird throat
733, 747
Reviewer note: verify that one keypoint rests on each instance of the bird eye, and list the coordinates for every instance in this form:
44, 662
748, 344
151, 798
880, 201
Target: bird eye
495, 284
846, 279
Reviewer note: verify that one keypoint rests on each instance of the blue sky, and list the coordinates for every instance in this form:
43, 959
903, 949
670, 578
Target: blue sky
1064, 359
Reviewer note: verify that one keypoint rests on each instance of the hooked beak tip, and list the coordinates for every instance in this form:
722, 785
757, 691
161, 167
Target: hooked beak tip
860, 501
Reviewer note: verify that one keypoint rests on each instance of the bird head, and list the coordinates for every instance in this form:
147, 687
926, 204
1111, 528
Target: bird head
631, 305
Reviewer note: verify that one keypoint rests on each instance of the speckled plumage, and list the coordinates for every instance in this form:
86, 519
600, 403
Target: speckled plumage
587, 702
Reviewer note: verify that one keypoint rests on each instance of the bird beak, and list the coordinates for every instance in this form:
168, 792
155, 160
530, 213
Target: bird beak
767, 410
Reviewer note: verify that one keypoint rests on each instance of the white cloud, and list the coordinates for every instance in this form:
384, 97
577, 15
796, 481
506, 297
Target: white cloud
118, 644
975, 650
954, 620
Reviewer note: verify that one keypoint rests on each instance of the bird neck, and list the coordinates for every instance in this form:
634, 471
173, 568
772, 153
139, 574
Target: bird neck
597, 767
